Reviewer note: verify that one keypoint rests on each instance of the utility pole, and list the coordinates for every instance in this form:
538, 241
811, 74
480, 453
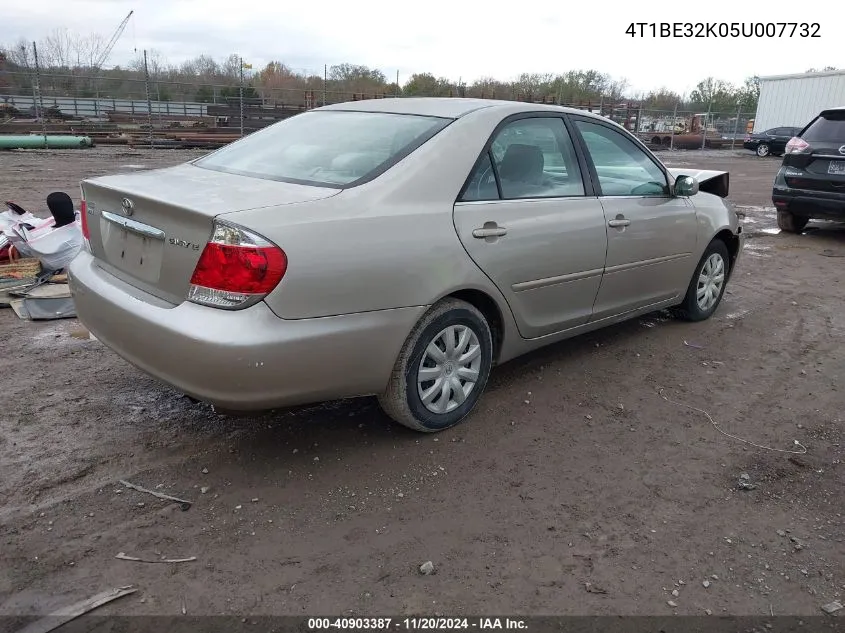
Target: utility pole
325, 81
39, 104
149, 101
397, 83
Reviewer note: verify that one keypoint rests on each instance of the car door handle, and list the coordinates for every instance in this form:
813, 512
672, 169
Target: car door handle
618, 222
498, 231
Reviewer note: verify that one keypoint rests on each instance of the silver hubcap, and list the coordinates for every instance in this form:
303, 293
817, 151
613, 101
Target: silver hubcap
449, 369
710, 282
763, 150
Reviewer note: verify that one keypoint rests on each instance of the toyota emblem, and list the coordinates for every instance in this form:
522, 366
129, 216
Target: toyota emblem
128, 206
842, 150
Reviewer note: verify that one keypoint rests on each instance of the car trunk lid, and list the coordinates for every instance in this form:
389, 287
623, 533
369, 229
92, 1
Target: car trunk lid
149, 228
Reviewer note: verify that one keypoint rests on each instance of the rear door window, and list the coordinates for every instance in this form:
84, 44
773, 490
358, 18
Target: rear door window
528, 158
535, 158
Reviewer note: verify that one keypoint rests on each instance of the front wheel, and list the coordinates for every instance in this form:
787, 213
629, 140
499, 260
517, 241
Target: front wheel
707, 286
762, 150
442, 369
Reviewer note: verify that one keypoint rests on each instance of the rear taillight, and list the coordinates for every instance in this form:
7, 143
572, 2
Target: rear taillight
796, 145
237, 268
83, 220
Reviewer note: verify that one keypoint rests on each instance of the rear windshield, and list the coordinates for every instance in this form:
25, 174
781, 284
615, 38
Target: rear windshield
328, 148
828, 128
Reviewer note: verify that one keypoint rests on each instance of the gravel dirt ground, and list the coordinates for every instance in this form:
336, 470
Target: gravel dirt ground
574, 488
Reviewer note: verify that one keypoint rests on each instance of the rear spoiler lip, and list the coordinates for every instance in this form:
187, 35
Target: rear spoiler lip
709, 181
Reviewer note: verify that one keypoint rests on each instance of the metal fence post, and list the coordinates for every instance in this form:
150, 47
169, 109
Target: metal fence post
149, 101
325, 81
38, 100
736, 124
241, 96
704, 125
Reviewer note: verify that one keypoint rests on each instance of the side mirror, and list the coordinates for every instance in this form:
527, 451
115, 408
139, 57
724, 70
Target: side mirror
686, 186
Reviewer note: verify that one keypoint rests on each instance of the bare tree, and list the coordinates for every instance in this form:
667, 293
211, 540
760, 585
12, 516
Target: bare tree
58, 49
88, 50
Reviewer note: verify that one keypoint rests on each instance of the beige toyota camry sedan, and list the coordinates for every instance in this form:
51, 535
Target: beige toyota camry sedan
395, 247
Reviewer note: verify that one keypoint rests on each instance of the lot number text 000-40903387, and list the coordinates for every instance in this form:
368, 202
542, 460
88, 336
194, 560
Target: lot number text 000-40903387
724, 29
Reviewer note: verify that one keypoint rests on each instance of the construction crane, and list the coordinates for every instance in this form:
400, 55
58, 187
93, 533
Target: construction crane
102, 60
107, 51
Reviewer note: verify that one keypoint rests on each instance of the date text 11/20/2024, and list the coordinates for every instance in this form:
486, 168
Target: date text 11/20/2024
416, 624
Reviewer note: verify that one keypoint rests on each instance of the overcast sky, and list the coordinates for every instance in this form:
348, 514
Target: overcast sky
449, 38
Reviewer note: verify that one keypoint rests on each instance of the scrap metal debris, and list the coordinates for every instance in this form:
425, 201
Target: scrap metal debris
123, 556
185, 504
66, 614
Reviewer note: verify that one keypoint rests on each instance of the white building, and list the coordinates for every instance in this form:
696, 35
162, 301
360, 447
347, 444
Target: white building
793, 100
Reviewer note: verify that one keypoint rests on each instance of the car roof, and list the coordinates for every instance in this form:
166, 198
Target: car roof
835, 109
447, 107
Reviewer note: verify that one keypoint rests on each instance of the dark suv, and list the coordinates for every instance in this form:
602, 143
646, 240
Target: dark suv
771, 141
811, 180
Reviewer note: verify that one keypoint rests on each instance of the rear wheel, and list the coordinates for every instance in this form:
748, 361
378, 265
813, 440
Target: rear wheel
442, 369
791, 223
762, 150
708, 283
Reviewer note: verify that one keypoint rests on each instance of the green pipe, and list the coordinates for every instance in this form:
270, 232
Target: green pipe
38, 141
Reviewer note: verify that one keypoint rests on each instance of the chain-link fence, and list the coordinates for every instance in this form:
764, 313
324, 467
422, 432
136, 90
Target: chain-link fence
123, 107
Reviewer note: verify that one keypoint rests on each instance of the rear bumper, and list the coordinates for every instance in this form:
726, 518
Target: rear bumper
244, 360
823, 205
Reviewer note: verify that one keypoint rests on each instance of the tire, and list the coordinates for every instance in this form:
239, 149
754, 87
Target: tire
762, 150
693, 310
791, 223
402, 399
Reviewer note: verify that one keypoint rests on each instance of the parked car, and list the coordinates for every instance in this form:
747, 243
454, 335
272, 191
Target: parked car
811, 181
397, 248
771, 142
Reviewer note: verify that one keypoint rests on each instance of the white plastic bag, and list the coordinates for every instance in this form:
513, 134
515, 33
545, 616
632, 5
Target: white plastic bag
12, 227
56, 248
